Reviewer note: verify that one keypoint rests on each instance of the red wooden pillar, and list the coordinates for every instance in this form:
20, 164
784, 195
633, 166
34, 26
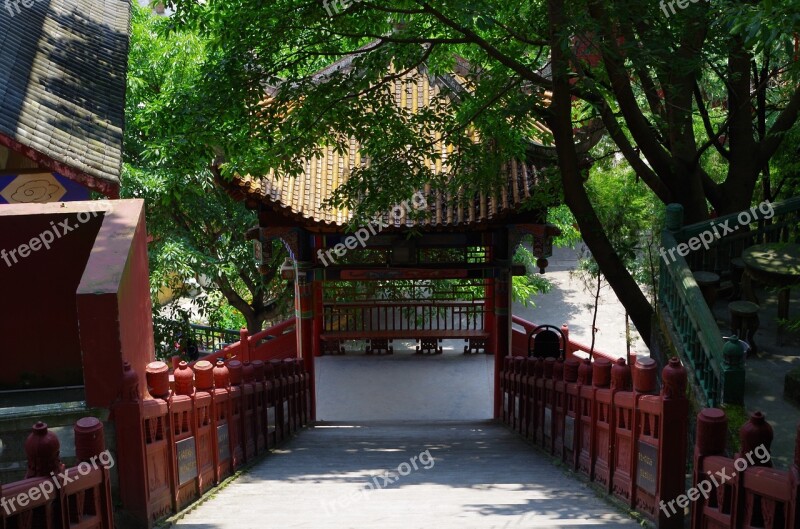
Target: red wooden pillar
304, 318
489, 326
502, 335
319, 276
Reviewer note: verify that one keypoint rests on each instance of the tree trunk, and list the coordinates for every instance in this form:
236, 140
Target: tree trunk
617, 275
689, 193
254, 323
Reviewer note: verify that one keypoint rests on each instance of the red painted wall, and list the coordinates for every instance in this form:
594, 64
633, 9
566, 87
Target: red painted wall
74, 313
135, 309
39, 338
114, 304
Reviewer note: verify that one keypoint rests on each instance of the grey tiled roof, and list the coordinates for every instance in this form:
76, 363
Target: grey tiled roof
62, 82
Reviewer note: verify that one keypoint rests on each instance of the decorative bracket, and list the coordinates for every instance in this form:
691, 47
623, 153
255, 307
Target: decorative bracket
290, 237
542, 243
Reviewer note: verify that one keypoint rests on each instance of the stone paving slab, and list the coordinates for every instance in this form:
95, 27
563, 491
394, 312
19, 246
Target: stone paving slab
469, 475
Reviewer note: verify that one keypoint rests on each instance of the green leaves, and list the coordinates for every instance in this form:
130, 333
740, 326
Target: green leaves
197, 230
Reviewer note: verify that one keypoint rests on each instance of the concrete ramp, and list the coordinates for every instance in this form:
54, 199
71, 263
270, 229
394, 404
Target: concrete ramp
405, 475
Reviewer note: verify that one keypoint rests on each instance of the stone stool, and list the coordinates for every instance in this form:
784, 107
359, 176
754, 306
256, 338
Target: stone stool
737, 271
708, 283
744, 321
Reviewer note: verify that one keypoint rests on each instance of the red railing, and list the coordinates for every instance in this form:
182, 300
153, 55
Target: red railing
519, 342
52, 497
742, 491
185, 439
607, 422
354, 317
275, 343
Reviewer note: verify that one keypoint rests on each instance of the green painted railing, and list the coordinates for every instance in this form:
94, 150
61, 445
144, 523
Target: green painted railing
177, 337
693, 323
212, 339
710, 246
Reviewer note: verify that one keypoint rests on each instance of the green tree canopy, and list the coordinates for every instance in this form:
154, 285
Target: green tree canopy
698, 101
197, 230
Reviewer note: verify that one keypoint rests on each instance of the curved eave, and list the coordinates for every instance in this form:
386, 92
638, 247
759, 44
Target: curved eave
276, 213
105, 187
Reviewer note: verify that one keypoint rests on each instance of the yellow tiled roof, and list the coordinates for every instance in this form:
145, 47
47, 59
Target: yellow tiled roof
303, 197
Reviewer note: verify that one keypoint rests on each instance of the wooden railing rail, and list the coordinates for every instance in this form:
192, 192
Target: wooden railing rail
275, 343
189, 436
608, 422
695, 325
52, 497
407, 315
519, 342
723, 239
742, 491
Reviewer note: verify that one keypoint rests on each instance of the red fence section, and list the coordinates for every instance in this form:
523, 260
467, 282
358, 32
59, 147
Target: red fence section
742, 491
275, 343
606, 421
52, 497
184, 440
519, 342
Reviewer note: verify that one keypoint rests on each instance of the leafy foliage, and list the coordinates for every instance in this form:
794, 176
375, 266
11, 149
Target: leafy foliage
698, 100
197, 229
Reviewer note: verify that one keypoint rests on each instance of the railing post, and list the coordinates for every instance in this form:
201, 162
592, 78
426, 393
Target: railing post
567, 346
132, 463
222, 420
183, 439
90, 444
271, 413
754, 433
733, 373
261, 405
585, 413
571, 411
548, 393
559, 408
249, 410
236, 413
42, 449
245, 348
601, 417
205, 425
672, 446
710, 437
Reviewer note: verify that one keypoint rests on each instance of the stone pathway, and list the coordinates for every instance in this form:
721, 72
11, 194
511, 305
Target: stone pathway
465, 475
